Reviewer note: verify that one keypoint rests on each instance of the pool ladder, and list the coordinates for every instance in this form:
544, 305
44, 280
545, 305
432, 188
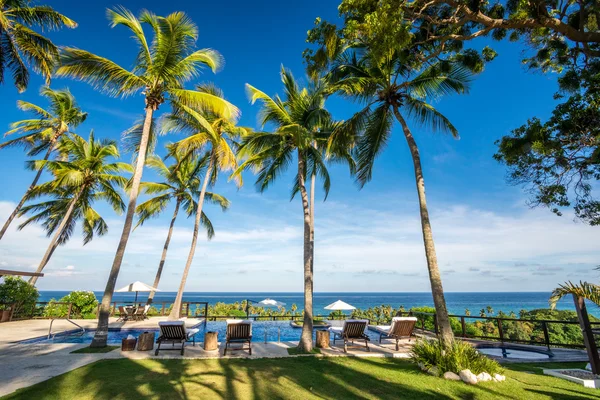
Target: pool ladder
51, 336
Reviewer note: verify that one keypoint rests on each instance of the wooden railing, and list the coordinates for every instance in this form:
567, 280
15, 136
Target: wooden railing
425, 320
163, 308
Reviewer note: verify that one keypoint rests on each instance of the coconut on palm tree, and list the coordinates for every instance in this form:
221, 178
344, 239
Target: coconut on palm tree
21, 45
181, 183
86, 176
391, 88
210, 137
301, 127
162, 67
43, 132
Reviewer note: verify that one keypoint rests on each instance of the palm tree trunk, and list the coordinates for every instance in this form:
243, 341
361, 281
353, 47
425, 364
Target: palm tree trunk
59, 231
306, 342
24, 198
434, 272
176, 310
164, 253
102, 329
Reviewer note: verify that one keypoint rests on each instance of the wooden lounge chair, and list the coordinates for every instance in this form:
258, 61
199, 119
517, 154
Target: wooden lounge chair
141, 313
123, 314
401, 328
238, 331
353, 329
175, 332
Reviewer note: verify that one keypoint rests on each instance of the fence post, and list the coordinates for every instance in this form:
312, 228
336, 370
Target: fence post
464, 328
546, 335
500, 332
69, 312
114, 308
162, 309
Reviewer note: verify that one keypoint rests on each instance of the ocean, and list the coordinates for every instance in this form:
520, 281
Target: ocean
457, 301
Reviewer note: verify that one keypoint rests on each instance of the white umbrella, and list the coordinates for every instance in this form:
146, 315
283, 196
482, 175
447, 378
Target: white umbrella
136, 287
340, 305
271, 303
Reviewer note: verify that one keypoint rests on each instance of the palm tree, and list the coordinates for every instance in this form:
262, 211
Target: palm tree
299, 121
588, 291
181, 183
44, 131
21, 45
85, 177
210, 135
162, 66
390, 87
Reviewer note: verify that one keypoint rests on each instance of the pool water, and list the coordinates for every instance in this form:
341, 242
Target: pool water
513, 353
274, 330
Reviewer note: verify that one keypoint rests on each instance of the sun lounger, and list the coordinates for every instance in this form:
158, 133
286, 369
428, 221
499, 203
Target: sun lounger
401, 328
238, 331
353, 329
175, 332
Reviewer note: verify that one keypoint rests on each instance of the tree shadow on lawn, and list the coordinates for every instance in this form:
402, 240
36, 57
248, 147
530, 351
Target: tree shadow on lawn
297, 377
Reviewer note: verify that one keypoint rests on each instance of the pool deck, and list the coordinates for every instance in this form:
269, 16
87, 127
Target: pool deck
16, 331
23, 365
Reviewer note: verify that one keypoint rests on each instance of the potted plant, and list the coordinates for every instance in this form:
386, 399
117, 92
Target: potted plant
5, 311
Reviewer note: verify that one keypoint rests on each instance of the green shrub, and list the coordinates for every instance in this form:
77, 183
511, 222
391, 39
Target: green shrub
84, 303
430, 353
15, 291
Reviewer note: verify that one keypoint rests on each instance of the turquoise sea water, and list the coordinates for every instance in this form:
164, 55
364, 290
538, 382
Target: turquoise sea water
457, 302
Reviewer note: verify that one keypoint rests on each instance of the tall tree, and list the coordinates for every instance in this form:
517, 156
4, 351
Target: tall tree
299, 121
211, 136
391, 89
21, 45
181, 184
161, 69
86, 176
377, 58
43, 132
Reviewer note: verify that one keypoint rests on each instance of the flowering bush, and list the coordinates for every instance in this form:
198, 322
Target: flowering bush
84, 303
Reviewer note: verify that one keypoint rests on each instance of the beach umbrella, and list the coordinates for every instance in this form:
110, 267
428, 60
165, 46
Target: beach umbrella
340, 306
271, 303
136, 287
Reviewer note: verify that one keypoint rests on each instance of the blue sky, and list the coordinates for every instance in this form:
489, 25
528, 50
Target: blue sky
369, 240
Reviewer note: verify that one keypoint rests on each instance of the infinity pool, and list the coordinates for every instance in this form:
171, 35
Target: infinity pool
271, 330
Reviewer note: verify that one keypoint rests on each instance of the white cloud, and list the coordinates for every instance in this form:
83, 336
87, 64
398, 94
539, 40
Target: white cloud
358, 248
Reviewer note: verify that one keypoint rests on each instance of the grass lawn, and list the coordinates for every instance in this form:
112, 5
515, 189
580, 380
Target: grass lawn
94, 350
290, 378
293, 351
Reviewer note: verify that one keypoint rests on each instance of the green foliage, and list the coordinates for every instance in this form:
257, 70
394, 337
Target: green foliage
16, 292
84, 305
86, 176
238, 309
558, 161
22, 45
461, 355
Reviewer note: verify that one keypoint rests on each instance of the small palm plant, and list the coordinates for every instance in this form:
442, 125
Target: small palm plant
302, 126
43, 132
88, 175
390, 87
162, 67
211, 136
21, 45
181, 182
586, 290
